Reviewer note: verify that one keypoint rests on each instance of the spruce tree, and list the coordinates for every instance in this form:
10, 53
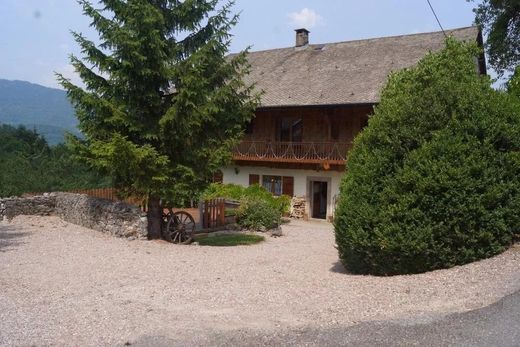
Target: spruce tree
162, 104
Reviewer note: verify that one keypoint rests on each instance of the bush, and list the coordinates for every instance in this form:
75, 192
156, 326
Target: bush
255, 191
280, 203
434, 180
257, 214
258, 210
228, 191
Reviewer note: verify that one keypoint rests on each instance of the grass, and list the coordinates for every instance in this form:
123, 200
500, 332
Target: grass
229, 240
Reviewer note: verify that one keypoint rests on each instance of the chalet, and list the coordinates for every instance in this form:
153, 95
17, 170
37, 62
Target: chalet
316, 98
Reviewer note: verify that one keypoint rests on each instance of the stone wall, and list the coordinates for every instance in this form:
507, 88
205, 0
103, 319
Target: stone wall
114, 218
43, 205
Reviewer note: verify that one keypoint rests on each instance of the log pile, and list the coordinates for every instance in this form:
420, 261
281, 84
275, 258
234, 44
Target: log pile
297, 208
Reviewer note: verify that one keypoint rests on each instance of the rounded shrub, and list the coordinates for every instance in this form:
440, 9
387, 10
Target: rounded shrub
434, 180
257, 214
281, 203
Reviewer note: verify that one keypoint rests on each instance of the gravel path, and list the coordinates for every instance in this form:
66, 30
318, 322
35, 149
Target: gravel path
494, 325
62, 284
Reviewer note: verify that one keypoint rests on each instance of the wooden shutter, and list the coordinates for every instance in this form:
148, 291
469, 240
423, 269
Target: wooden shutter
218, 177
288, 185
254, 179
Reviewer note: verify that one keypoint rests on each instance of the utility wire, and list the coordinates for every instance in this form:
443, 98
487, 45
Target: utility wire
437, 18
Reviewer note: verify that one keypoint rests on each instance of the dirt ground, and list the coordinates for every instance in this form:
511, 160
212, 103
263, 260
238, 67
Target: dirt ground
62, 284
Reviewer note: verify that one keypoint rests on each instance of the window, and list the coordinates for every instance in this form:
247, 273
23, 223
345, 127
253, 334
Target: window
285, 130
278, 185
297, 130
272, 184
290, 129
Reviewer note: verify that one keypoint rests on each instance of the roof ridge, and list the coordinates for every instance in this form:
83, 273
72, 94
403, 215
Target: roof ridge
447, 31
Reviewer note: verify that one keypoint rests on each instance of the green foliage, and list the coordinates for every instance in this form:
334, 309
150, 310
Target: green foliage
228, 191
230, 240
163, 105
513, 85
279, 203
434, 180
255, 191
259, 209
28, 164
257, 214
501, 22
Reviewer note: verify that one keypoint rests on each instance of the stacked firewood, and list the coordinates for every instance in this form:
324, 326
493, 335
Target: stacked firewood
297, 208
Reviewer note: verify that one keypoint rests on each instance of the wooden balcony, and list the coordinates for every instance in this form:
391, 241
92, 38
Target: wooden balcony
330, 153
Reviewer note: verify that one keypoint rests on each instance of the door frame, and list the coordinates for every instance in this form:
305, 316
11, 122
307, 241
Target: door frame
309, 197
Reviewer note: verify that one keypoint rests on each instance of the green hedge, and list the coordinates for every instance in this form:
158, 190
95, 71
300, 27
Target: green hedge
434, 180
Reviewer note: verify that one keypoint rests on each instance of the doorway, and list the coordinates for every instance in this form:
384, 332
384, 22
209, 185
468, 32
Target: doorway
319, 199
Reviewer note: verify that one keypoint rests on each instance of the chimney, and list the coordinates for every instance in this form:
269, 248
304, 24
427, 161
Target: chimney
302, 37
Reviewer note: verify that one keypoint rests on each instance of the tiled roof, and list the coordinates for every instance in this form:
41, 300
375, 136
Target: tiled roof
340, 73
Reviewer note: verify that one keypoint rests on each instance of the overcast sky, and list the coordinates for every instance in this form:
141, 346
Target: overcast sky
35, 39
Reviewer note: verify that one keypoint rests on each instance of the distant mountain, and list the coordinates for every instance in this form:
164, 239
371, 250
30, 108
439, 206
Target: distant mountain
37, 107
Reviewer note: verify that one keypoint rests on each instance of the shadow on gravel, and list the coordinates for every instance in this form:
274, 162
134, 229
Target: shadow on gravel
338, 268
494, 325
10, 236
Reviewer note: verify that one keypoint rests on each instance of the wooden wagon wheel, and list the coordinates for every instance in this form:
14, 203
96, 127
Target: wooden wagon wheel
166, 217
180, 228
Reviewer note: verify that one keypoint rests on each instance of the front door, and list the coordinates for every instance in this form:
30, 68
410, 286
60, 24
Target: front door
319, 199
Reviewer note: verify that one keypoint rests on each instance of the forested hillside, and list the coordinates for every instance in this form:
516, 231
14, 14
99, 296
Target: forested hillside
29, 164
46, 110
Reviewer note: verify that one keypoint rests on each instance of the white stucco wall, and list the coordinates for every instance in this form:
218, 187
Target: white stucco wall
240, 175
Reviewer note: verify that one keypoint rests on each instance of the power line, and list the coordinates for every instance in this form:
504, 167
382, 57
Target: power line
437, 18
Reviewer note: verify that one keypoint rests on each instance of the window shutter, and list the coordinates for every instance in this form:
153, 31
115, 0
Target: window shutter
218, 177
254, 179
288, 185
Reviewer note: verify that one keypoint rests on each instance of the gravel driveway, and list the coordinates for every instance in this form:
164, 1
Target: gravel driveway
62, 284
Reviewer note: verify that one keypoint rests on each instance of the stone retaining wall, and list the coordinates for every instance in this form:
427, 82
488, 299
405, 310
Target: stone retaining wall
114, 218
43, 205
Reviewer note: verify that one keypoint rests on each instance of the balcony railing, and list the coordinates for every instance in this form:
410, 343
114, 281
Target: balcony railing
333, 153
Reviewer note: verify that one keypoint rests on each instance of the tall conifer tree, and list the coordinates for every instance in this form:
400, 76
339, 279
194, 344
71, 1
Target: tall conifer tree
162, 104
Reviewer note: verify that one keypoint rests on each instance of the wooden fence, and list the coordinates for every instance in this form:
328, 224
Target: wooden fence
102, 193
111, 194
216, 213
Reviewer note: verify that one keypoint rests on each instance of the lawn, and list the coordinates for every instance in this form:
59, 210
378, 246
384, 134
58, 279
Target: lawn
229, 240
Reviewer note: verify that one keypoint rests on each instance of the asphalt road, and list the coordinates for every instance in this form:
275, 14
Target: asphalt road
495, 325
